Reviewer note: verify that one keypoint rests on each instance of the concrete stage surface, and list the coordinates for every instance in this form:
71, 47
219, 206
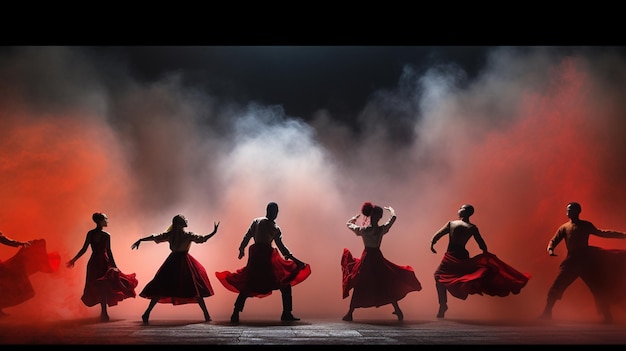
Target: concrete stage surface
447, 331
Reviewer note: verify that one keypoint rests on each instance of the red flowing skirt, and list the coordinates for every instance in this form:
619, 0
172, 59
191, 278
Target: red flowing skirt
482, 274
375, 281
15, 285
103, 281
265, 271
114, 284
181, 279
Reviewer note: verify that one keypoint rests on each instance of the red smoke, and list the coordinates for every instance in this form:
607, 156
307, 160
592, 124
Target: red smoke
558, 142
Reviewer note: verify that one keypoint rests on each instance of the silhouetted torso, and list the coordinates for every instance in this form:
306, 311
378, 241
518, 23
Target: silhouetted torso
372, 236
576, 234
179, 240
460, 232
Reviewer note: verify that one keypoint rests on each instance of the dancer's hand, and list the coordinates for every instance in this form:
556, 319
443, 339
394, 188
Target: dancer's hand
135, 245
241, 253
299, 263
391, 210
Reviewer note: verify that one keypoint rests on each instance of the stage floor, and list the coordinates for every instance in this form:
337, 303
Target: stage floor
311, 332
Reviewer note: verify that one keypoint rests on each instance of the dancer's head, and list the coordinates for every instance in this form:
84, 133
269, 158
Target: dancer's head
179, 221
573, 210
375, 212
271, 211
466, 210
100, 218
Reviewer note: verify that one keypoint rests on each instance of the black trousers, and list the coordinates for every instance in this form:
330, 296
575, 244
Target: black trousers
286, 296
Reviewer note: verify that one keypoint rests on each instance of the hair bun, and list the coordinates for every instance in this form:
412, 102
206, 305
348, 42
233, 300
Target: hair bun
367, 208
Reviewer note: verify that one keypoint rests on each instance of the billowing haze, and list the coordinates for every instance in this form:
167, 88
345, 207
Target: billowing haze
518, 137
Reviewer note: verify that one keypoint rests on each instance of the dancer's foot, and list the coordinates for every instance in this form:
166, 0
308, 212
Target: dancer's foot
442, 311
288, 317
399, 314
207, 318
104, 317
144, 318
347, 317
234, 318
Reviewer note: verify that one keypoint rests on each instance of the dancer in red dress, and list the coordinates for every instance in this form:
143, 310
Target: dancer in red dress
105, 284
266, 270
602, 270
461, 275
15, 285
374, 280
181, 279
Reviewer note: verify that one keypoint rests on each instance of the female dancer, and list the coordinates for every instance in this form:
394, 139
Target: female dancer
105, 284
375, 280
181, 279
